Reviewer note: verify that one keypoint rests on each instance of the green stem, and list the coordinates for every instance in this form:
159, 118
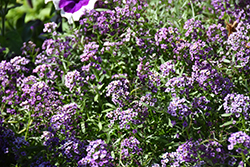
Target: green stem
120, 157
3, 18
243, 124
28, 125
187, 133
207, 140
244, 158
192, 7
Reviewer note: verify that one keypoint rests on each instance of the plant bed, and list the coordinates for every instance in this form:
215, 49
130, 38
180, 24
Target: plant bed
127, 83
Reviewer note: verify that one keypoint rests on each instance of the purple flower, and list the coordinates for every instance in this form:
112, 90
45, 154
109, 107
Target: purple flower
73, 9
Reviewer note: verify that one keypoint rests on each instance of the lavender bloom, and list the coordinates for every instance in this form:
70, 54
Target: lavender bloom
90, 50
177, 107
149, 78
167, 68
97, 155
118, 90
71, 78
187, 154
11, 76
29, 48
239, 138
216, 34
10, 144
49, 27
38, 97
237, 104
182, 84
64, 116
46, 136
210, 79
129, 147
165, 34
194, 28
18, 61
70, 149
45, 71
73, 9
124, 116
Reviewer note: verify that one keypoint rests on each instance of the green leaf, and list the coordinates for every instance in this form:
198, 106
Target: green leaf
226, 61
96, 98
83, 127
100, 126
12, 40
21, 131
112, 154
107, 110
226, 115
101, 9
14, 6
29, 83
226, 124
110, 105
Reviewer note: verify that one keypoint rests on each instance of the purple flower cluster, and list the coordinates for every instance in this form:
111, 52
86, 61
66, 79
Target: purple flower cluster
165, 34
194, 28
10, 144
71, 79
167, 68
38, 95
124, 116
188, 72
201, 103
29, 48
239, 138
241, 142
11, 75
70, 149
214, 151
50, 27
135, 115
46, 71
179, 84
58, 46
237, 104
97, 155
210, 79
216, 34
90, 50
177, 107
184, 153
64, 117
112, 21
119, 90
148, 77
129, 147
111, 46
39, 99
190, 153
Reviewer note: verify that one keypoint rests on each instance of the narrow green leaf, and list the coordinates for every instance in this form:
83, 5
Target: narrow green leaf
101, 9
96, 98
226, 115
107, 110
226, 124
83, 127
100, 126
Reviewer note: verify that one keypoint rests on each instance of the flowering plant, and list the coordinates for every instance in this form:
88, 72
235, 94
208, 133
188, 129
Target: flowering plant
135, 83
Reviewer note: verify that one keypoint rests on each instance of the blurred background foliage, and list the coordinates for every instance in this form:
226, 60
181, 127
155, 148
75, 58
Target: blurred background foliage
22, 21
